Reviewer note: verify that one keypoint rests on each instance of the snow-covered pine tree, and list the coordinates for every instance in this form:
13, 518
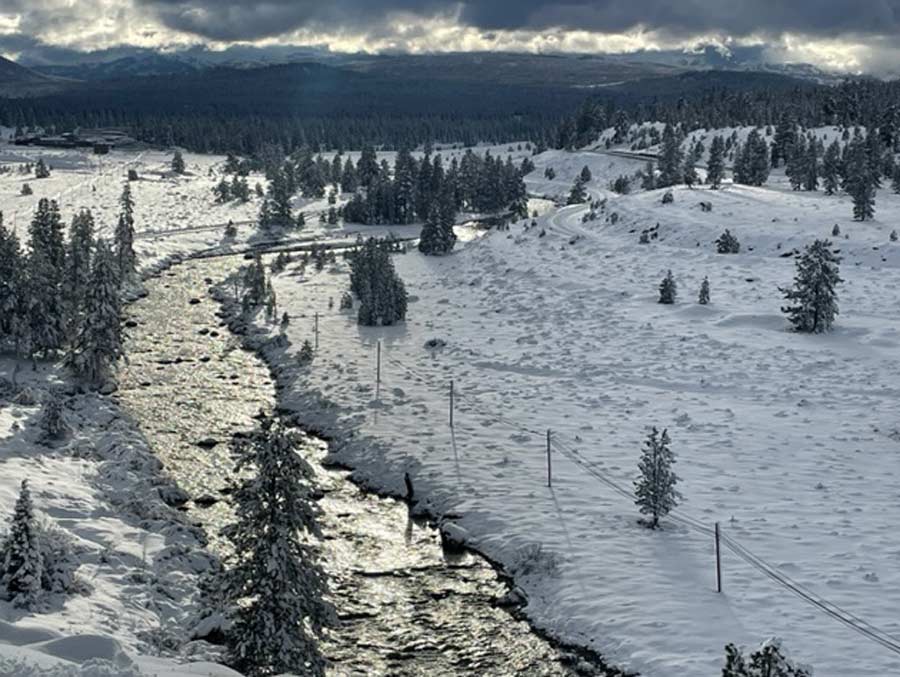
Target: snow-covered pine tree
53, 423
668, 289
98, 345
585, 175
438, 237
222, 191
12, 278
21, 564
41, 170
78, 266
715, 166
178, 165
578, 195
728, 243
273, 583
382, 294
704, 292
126, 259
785, 138
405, 186
654, 491
813, 295
758, 151
43, 302
255, 284
858, 180
670, 158
831, 168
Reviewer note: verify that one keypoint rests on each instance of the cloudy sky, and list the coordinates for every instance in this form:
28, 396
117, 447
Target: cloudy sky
853, 35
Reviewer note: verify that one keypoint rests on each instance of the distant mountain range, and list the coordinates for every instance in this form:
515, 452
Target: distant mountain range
17, 81
566, 69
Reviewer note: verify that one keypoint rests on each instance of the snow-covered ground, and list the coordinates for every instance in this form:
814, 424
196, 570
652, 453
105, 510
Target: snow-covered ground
786, 440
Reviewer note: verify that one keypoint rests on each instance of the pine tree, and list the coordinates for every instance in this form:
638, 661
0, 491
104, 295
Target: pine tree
178, 165
41, 170
306, 354
78, 266
785, 138
98, 345
814, 295
670, 159
274, 585
382, 294
715, 166
12, 283
405, 187
222, 191
43, 288
728, 243
276, 208
858, 180
796, 161
703, 300
437, 237
668, 289
811, 166
126, 258
585, 175
655, 492
367, 166
21, 564
52, 422
767, 661
578, 194
831, 168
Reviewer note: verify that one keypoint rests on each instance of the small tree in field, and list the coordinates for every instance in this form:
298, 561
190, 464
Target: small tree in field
668, 289
654, 491
728, 243
178, 165
813, 296
578, 194
21, 564
704, 292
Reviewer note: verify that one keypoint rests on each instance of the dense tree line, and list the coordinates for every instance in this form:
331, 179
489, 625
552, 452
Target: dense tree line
62, 296
415, 189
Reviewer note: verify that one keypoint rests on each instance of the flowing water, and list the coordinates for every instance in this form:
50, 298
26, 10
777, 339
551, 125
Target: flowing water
406, 607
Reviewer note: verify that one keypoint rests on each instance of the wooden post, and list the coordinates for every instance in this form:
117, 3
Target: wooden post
549, 463
317, 331
718, 562
451, 404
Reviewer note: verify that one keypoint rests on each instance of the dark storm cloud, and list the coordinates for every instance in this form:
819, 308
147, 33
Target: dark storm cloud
247, 20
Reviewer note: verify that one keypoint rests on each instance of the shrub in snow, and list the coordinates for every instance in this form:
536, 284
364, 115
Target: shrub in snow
52, 422
728, 243
668, 289
26, 189
230, 230
532, 559
813, 295
306, 353
178, 163
668, 197
274, 587
621, 185
655, 490
133, 175
704, 292
346, 301
836, 231
767, 661
645, 238
893, 236
21, 564
59, 558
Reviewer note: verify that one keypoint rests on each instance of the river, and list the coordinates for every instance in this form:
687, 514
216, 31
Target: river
406, 606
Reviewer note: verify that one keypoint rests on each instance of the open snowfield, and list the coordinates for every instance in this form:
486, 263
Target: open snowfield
787, 440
